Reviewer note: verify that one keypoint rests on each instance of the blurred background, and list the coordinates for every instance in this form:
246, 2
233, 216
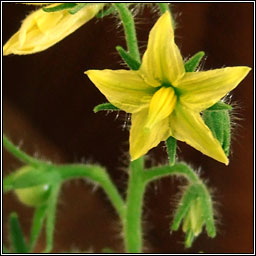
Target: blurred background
47, 110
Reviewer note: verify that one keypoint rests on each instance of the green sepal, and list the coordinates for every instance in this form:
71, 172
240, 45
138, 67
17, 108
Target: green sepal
59, 7
106, 12
32, 177
218, 122
207, 210
171, 145
131, 62
220, 106
17, 239
37, 225
192, 64
105, 107
78, 7
184, 205
51, 217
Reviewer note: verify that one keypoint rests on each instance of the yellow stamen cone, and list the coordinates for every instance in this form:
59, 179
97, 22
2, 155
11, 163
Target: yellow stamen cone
161, 106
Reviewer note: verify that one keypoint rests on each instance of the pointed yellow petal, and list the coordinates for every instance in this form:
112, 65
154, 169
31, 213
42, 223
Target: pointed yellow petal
41, 30
161, 105
123, 88
189, 127
162, 61
200, 90
142, 139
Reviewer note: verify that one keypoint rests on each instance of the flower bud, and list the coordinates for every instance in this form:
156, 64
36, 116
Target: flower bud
32, 196
195, 211
41, 30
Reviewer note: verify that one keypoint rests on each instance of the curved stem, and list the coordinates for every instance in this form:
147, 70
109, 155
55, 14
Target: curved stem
99, 175
177, 169
132, 223
22, 156
129, 29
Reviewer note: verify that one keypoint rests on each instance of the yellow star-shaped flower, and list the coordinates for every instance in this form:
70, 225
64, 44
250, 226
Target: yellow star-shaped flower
163, 99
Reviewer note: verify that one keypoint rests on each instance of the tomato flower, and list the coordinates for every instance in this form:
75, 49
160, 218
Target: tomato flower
163, 99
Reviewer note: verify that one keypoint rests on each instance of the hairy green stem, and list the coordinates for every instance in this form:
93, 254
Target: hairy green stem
129, 29
134, 201
99, 175
22, 156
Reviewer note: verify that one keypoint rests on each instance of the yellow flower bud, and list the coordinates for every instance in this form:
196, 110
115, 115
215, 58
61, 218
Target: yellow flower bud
41, 30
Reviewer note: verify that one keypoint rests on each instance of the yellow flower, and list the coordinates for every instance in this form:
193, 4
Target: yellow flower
165, 100
41, 30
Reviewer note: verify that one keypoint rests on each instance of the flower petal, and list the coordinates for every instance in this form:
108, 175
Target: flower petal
162, 61
143, 139
123, 88
200, 90
189, 127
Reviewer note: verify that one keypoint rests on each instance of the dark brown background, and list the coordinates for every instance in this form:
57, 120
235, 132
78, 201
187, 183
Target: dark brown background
47, 109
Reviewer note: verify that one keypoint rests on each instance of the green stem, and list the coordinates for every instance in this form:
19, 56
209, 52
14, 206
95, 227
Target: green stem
171, 145
99, 175
129, 29
132, 223
19, 154
177, 169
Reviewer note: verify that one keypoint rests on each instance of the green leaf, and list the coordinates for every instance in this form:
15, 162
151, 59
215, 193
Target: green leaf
107, 12
192, 64
37, 225
16, 235
220, 106
51, 216
59, 7
78, 7
131, 62
105, 106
